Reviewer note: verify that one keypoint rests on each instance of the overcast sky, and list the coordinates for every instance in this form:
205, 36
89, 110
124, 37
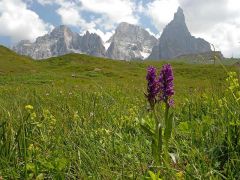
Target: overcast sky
217, 21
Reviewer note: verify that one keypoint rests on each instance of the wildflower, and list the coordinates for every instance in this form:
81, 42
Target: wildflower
106, 131
153, 86
233, 81
166, 84
220, 103
180, 175
31, 147
29, 107
33, 115
75, 115
49, 117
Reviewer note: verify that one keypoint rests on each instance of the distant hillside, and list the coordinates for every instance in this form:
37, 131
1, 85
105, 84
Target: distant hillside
12, 62
201, 58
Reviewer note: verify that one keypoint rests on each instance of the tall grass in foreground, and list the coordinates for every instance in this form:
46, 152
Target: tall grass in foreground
59, 134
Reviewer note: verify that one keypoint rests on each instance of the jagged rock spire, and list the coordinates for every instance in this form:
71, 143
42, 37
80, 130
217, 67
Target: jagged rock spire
176, 40
179, 15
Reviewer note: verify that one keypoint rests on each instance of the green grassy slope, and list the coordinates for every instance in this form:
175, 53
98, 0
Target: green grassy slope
11, 62
87, 71
98, 72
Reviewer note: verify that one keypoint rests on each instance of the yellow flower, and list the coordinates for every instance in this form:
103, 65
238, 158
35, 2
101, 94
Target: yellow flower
220, 102
33, 115
75, 115
31, 147
179, 175
49, 117
233, 81
29, 107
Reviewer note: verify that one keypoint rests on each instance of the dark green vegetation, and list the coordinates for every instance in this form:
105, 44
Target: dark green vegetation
77, 116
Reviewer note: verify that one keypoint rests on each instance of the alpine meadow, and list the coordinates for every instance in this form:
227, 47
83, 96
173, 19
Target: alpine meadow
77, 117
119, 89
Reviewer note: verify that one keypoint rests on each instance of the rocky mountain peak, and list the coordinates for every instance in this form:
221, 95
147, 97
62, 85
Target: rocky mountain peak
177, 25
59, 42
130, 42
92, 44
123, 26
179, 15
61, 28
176, 40
61, 31
92, 36
87, 33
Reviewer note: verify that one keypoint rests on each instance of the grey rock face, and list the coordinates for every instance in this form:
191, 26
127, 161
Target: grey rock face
59, 42
24, 47
92, 45
176, 40
130, 42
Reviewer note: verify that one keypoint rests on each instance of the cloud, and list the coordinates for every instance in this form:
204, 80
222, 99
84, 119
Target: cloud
18, 22
45, 2
202, 16
225, 37
161, 12
104, 15
105, 36
112, 12
107, 13
70, 15
153, 34
220, 27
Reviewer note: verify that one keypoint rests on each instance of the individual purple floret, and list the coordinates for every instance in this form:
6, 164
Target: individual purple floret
166, 84
153, 86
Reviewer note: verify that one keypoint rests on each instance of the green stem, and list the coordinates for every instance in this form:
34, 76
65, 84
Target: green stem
160, 142
166, 120
166, 132
158, 137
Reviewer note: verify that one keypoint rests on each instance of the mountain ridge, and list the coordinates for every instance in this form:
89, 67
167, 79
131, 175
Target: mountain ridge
129, 42
61, 41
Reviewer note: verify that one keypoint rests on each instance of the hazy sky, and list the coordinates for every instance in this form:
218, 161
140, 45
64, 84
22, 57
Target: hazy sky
217, 21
